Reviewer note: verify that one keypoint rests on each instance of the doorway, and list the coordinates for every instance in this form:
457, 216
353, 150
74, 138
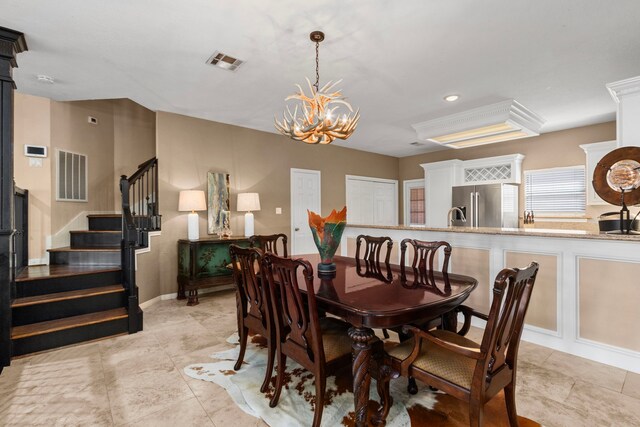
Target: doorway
305, 194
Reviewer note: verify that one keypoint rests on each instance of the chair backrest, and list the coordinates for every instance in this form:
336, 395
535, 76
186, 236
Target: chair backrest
370, 256
250, 289
423, 259
297, 323
373, 248
511, 296
269, 243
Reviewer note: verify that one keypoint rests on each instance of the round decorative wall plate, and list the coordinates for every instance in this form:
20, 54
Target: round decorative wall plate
618, 172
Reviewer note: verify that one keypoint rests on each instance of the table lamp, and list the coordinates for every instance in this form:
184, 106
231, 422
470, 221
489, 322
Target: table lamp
192, 200
248, 202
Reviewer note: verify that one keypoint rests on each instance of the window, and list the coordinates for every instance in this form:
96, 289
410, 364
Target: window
71, 177
414, 203
557, 190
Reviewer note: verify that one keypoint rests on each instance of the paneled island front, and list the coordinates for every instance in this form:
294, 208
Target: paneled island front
586, 300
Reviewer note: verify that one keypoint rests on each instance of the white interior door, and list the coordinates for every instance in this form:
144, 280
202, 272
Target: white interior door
371, 201
305, 194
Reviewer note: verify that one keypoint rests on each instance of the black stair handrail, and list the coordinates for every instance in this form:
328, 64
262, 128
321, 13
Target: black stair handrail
140, 214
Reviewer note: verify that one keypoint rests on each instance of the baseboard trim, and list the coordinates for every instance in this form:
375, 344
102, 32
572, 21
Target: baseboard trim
174, 295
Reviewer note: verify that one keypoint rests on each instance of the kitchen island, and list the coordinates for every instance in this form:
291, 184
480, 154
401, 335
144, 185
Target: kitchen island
586, 300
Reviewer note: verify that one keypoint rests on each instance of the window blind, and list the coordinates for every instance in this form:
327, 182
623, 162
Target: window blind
558, 190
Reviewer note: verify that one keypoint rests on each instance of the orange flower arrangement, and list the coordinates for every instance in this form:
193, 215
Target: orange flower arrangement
327, 232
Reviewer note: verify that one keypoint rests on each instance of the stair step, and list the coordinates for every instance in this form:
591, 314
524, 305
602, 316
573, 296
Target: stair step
41, 308
90, 239
49, 279
85, 257
64, 296
69, 330
105, 222
41, 328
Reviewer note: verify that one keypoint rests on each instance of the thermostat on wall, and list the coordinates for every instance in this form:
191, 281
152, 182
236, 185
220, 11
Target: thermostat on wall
35, 150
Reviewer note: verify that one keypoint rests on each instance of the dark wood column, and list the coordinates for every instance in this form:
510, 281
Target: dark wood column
11, 43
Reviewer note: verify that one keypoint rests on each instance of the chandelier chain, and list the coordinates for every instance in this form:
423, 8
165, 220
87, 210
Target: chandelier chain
317, 65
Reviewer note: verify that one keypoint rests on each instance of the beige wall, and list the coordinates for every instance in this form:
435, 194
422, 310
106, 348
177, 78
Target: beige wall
608, 302
187, 148
543, 306
123, 138
32, 120
475, 263
549, 150
134, 139
70, 130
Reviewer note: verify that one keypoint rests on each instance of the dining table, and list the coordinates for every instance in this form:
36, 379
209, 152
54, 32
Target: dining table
382, 298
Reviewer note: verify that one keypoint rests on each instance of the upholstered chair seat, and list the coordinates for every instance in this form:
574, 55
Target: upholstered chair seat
439, 361
335, 341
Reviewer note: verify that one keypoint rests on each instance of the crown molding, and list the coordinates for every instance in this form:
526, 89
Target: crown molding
623, 88
510, 111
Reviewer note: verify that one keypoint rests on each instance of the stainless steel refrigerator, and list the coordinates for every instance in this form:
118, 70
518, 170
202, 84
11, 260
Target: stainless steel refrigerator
489, 205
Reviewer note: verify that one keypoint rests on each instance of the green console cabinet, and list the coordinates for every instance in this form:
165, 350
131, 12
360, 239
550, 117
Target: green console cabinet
204, 263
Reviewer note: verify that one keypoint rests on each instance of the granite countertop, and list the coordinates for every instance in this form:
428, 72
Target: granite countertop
538, 232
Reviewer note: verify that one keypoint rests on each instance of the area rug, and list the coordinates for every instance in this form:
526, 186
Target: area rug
297, 401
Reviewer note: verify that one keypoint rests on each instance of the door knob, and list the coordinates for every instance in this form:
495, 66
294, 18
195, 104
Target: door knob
296, 229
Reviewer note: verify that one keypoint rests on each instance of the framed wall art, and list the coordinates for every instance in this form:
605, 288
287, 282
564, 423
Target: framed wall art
218, 211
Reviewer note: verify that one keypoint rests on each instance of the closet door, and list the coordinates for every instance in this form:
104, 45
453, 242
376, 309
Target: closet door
371, 201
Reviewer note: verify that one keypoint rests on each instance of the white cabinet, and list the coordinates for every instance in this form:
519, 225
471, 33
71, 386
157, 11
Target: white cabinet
595, 152
439, 178
371, 201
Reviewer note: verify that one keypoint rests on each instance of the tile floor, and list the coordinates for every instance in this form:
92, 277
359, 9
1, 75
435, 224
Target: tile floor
137, 380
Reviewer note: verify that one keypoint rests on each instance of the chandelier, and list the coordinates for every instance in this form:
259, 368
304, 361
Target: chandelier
317, 119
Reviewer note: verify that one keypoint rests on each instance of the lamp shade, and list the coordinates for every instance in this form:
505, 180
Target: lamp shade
248, 202
192, 200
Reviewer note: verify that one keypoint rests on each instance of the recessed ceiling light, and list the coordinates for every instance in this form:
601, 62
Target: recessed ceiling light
45, 79
451, 98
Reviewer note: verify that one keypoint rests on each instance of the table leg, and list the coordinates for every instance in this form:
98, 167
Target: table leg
181, 292
450, 321
193, 297
361, 347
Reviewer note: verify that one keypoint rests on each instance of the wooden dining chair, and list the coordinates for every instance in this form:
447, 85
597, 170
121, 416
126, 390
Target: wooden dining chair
320, 345
462, 368
423, 256
422, 265
269, 243
369, 262
373, 248
253, 303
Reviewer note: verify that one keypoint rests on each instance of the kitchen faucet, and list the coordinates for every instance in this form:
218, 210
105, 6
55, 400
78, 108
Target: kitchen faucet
450, 216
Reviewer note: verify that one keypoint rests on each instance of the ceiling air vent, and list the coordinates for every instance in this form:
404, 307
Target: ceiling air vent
224, 61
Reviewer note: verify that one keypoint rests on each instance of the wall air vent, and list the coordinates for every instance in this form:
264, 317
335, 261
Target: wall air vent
71, 177
224, 61
502, 121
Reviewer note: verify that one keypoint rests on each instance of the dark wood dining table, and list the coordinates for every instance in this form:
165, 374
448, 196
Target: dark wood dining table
368, 300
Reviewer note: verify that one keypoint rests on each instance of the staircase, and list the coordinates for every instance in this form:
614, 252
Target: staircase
78, 297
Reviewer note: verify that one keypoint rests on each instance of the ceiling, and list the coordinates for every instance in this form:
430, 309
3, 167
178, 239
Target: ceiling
397, 59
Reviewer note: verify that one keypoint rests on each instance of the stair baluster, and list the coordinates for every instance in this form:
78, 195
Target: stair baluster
137, 221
